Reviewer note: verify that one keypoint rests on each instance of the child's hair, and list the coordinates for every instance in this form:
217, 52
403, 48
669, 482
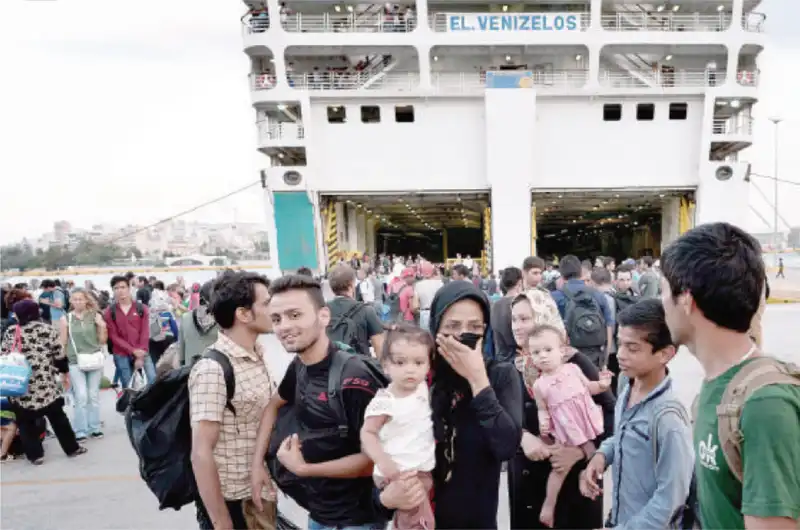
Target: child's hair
647, 315
409, 333
542, 328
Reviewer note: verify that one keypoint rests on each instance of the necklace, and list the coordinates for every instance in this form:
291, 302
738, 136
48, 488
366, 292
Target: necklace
749, 354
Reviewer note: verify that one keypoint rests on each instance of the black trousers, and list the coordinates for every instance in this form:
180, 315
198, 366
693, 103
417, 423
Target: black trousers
235, 509
29, 424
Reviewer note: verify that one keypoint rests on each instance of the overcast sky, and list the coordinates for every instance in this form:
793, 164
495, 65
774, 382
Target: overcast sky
130, 111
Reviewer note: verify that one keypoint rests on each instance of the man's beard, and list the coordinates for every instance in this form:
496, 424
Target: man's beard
300, 349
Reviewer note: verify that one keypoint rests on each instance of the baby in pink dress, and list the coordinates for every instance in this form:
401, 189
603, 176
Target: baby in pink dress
567, 414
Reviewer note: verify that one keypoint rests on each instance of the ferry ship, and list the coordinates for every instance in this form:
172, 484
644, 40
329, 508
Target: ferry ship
499, 129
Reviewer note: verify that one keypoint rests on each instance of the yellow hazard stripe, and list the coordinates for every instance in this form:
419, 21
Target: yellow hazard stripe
487, 239
332, 236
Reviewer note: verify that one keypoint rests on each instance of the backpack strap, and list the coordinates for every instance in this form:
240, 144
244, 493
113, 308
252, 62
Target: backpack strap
227, 370
350, 313
339, 359
673, 407
569, 294
752, 377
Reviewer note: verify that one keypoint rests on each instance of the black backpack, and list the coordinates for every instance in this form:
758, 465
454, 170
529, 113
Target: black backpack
287, 423
345, 330
624, 300
583, 318
65, 294
113, 311
160, 431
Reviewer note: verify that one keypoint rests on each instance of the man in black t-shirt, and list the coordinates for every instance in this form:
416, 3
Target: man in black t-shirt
369, 328
339, 474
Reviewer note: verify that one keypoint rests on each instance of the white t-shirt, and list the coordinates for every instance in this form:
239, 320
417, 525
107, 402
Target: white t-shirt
426, 290
408, 435
367, 291
276, 357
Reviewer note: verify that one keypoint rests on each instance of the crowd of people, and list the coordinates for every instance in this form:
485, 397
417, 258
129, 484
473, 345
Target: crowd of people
405, 396
65, 332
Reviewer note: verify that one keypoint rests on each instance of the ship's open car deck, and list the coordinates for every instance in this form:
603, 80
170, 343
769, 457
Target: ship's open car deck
589, 222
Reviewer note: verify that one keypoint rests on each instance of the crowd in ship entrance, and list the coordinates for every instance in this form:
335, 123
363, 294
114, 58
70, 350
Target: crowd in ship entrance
410, 387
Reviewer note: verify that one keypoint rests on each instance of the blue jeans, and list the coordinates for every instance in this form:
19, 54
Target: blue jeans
313, 525
86, 390
124, 366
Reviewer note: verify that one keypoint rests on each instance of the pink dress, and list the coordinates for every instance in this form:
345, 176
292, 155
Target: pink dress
574, 417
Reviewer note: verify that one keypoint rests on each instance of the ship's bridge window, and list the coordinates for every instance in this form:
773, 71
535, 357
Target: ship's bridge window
678, 111
645, 112
404, 114
370, 114
337, 114
612, 112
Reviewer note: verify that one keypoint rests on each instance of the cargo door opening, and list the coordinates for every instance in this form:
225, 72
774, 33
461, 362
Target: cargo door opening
436, 226
621, 223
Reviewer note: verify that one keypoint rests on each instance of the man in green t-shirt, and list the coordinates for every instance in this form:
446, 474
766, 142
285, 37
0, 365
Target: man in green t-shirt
713, 276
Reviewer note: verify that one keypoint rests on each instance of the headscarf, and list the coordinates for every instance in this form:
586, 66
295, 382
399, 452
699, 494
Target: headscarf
545, 313
26, 311
449, 388
194, 298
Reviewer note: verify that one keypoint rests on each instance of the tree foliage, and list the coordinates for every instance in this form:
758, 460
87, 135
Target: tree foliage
85, 253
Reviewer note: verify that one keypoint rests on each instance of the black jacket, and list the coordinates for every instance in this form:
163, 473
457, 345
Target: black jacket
488, 429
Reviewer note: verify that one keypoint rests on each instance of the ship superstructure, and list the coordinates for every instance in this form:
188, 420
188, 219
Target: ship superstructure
498, 129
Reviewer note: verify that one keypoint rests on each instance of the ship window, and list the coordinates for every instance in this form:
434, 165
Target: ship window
645, 112
612, 112
404, 114
370, 114
337, 114
678, 111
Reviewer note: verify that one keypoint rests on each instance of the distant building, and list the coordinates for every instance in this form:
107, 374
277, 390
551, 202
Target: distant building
768, 239
61, 231
793, 241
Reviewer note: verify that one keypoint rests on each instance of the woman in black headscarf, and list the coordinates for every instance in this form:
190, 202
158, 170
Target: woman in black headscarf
477, 413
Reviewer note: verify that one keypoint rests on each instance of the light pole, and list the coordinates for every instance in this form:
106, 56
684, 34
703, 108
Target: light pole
775, 238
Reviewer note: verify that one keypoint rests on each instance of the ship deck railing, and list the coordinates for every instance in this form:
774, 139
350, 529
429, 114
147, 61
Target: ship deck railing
622, 21
269, 130
348, 23
741, 125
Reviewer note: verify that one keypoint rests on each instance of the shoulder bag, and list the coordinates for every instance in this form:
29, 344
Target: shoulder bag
87, 362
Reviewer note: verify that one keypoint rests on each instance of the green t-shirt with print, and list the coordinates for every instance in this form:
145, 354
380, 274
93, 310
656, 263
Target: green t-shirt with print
770, 424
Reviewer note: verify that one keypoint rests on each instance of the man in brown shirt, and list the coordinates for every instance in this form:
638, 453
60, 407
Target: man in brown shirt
223, 441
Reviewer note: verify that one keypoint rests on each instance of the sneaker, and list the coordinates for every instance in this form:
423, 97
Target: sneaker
80, 439
81, 451
96, 436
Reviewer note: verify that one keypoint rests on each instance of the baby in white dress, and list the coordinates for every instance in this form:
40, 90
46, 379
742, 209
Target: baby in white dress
398, 431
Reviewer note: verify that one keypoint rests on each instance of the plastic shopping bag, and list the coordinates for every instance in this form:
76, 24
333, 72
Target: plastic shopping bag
138, 382
15, 372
